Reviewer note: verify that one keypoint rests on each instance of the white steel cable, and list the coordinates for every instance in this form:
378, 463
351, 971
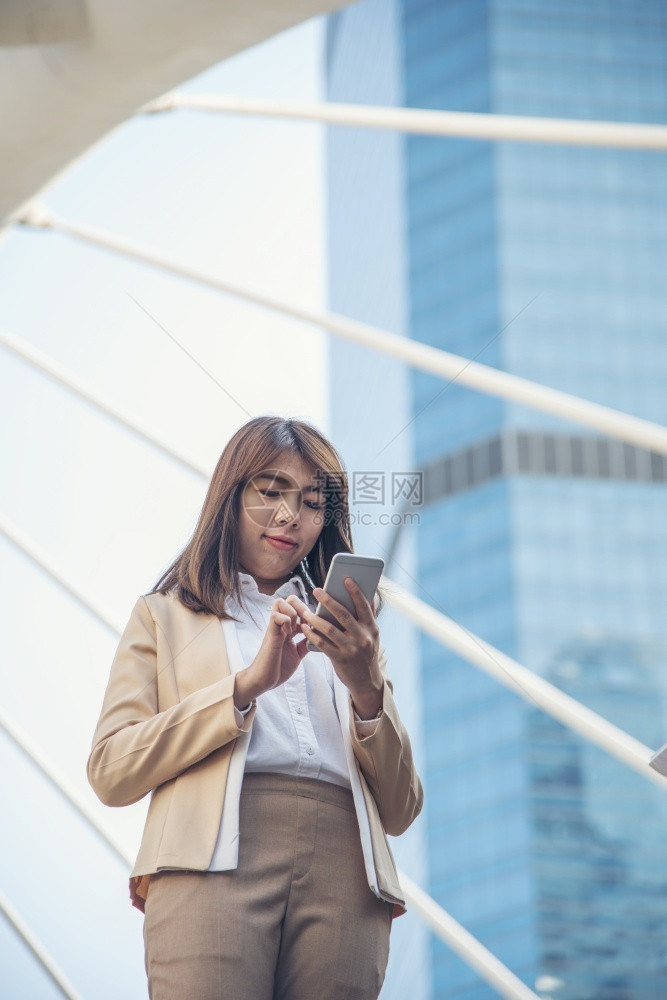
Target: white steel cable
473, 953
475, 650
36, 553
483, 378
464, 944
57, 977
446, 631
62, 784
573, 714
478, 652
471, 950
524, 682
421, 121
39, 556
63, 376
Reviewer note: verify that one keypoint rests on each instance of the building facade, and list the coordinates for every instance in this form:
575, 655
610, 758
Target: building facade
538, 535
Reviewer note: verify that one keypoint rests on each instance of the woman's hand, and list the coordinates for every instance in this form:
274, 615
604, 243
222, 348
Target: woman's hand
354, 648
278, 656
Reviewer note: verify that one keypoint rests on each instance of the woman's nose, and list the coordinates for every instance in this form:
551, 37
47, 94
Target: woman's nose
285, 515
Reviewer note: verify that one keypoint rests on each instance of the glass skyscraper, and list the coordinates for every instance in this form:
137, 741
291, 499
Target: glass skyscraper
544, 538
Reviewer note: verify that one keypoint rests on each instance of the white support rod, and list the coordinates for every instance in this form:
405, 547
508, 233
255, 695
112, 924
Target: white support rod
450, 932
57, 977
475, 650
553, 701
525, 683
444, 926
62, 784
462, 124
481, 654
30, 548
464, 944
478, 652
63, 376
483, 378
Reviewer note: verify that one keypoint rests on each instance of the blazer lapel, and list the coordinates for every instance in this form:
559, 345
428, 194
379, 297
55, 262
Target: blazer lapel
197, 648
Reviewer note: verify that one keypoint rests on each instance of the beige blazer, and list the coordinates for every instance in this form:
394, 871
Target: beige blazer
168, 727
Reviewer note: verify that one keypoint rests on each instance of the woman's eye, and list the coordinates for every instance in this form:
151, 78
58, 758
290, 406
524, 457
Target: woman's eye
273, 494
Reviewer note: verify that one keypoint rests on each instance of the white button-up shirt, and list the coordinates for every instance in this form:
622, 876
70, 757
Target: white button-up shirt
296, 729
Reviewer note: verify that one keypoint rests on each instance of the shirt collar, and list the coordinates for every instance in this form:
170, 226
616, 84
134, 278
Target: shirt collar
294, 585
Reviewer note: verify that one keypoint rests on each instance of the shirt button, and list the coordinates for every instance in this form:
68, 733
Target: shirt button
299, 709
310, 751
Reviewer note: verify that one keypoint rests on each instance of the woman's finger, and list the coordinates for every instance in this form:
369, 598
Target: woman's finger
340, 613
301, 648
364, 610
281, 605
295, 604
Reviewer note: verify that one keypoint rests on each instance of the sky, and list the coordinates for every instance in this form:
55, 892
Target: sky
242, 198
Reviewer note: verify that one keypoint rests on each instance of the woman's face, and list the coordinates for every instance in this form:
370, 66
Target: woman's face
283, 501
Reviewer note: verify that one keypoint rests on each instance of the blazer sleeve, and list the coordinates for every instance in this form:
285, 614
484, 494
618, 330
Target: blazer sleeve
385, 757
135, 747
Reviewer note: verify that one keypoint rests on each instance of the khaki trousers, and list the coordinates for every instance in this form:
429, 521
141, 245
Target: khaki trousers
296, 920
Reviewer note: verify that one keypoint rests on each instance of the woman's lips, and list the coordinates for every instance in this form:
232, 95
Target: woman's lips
279, 544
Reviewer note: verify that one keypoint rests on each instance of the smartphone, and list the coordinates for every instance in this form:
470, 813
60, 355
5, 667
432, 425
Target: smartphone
364, 570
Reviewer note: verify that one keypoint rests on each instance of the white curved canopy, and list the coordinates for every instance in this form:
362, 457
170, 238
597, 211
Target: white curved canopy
72, 70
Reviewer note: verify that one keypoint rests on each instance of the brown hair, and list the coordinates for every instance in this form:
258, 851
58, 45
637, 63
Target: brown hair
206, 571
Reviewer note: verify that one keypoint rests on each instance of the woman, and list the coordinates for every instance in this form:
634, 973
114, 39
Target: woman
264, 871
